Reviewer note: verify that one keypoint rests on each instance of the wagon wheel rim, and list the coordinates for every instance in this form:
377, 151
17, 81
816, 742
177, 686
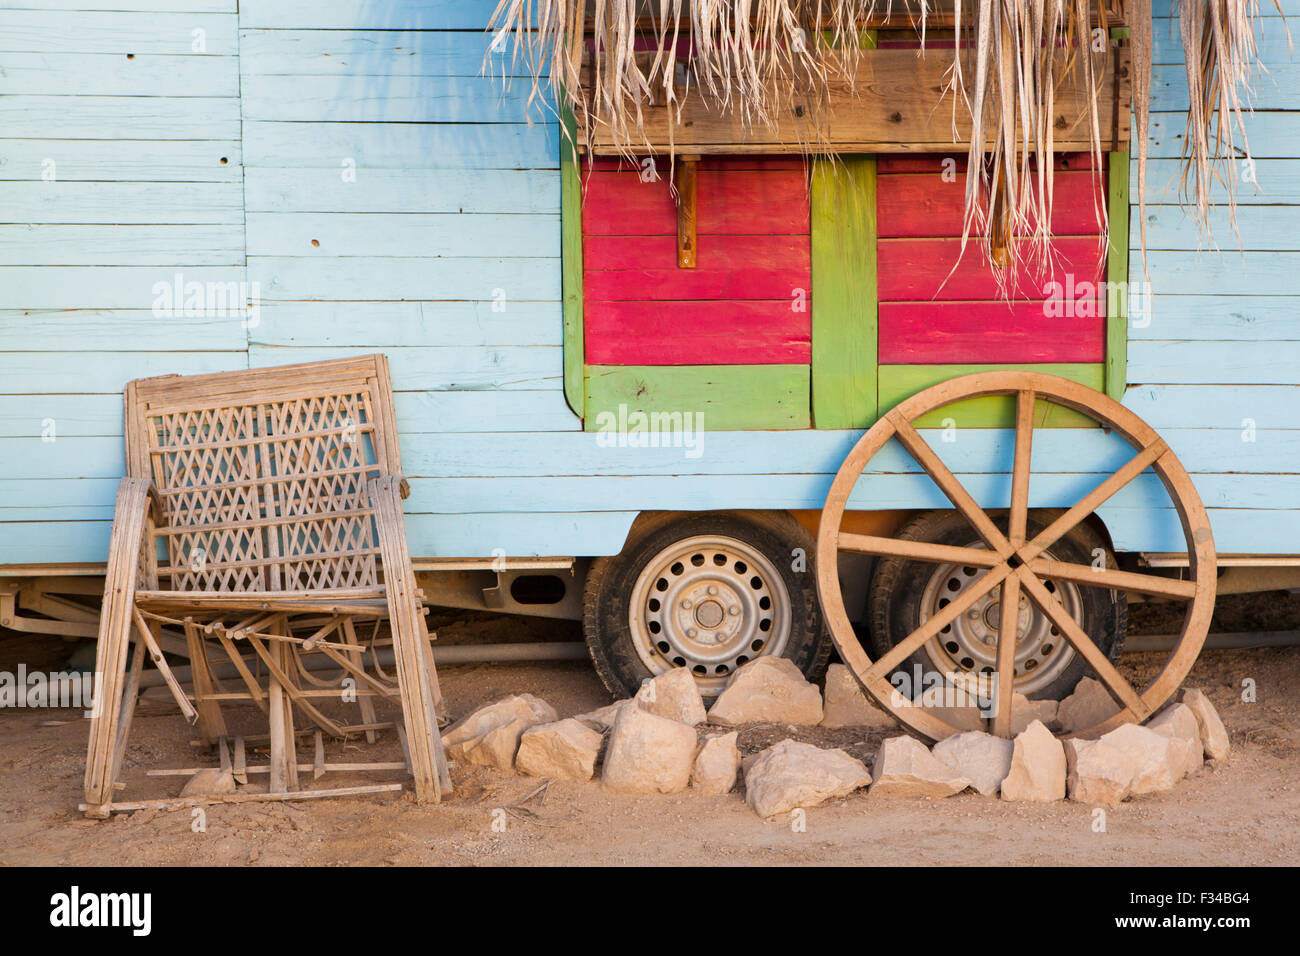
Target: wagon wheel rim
1012, 562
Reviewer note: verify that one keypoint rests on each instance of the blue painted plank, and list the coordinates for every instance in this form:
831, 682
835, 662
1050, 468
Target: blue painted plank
118, 245
384, 325
597, 533
517, 535
109, 161
1223, 362
821, 452
425, 415
122, 202
1276, 90
1168, 10
372, 53
481, 279
1261, 229
104, 287
457, 495
107, 74
1209, 273
59, 499
58, 330
122, 117
62, 416
79, 31
442, 368
1200, 317
508, 191
1272, 134
388, 99
34, 373
367, 14
1271, 40
326, 235
1277, 181
157, 6
1215, 406
401, 145
69, 456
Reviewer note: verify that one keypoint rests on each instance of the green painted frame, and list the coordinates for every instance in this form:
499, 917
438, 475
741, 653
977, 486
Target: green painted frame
571, 263
1118, 212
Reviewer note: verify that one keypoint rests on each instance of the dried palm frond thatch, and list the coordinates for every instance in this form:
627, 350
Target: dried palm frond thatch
610, 61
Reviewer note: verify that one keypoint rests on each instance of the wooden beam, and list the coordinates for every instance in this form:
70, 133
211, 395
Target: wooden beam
684, 186
896, 104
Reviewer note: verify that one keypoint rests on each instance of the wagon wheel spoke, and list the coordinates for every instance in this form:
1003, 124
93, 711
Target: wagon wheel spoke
1115, 580
1020, 468
1083, 644
1007, 633
1093, 500
925, 457
936, 623
918, 550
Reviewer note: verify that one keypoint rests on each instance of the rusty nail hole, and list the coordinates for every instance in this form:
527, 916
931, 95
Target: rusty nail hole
316, 243
798, 111
896, 118
130, 56
224, 160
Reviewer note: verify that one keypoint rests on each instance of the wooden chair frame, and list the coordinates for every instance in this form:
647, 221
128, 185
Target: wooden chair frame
256, 499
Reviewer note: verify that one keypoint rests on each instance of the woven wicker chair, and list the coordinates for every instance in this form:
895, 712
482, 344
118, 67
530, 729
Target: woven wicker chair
262, 506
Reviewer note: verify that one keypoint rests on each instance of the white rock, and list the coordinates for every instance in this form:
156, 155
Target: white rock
210, 781
675, 695
905, 768
1088, 706
1037, 767
1179, 722
1214, 736
602, 718
564, 750
769, 690
790, 774
1097, 772
847, 705
981, 758
496, 748
716, 765
648, 754
1025, 711
493, 730
1159, 761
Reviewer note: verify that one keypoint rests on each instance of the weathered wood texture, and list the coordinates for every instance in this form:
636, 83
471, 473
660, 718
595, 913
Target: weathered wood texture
439, 216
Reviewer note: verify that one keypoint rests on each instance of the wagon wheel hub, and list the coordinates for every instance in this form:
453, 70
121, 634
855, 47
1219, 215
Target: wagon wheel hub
1003, 608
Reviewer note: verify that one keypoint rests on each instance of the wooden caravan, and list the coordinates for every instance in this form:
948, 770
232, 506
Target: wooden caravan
262, 520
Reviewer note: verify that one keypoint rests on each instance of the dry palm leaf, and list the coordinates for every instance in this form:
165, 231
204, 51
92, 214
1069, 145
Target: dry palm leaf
752, 56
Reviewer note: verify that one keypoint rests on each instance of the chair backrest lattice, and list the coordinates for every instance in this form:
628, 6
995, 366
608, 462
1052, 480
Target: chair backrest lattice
262, 474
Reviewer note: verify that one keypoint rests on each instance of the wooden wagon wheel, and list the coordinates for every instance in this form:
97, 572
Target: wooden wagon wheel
1011, 562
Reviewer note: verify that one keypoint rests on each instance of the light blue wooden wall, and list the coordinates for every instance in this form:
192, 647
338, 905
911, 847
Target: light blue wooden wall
443, 252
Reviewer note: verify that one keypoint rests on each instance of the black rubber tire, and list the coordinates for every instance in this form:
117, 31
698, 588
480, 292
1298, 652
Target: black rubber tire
610, 582
894, 598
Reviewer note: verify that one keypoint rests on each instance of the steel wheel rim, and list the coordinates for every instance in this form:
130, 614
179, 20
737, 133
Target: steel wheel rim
708, 603
1042, 653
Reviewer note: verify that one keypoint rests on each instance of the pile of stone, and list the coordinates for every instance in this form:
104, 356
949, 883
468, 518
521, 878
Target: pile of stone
664, 740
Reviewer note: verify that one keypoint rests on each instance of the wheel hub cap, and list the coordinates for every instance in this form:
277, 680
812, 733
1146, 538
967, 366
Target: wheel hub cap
710, 604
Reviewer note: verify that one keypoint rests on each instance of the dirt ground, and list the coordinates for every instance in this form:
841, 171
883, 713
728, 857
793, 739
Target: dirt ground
1244, 811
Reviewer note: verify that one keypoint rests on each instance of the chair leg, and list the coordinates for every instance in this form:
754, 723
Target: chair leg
365, 701
415, 674
284, 755
212, 725
109, 723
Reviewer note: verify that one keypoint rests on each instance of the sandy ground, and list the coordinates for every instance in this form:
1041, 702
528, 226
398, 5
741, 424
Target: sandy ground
1244, 811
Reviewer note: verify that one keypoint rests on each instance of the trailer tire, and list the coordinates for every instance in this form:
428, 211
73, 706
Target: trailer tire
650, 607
900, 589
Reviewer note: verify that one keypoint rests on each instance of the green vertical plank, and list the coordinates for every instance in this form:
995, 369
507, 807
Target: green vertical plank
571, 261
844, 292
1117, 277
